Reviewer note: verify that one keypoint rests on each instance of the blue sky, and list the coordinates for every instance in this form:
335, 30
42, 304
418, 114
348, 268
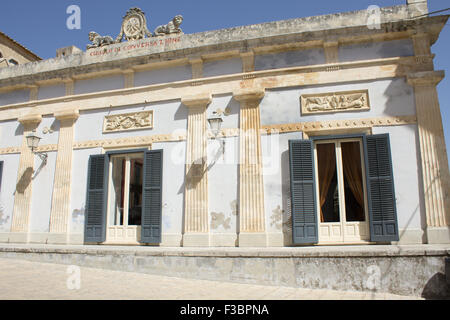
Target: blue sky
41, 25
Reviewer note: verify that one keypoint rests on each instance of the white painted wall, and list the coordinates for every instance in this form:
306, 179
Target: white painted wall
49, 92
222, 67
164, 75
99, 84
289, 59
13, 97
168, 118
11, 133
8, 188
376, 50
406, 169
48, 138
388, 97
42, 191
225, 103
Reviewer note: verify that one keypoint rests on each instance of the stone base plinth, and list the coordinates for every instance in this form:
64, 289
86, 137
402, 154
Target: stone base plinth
247, 239
196, 240
439, 235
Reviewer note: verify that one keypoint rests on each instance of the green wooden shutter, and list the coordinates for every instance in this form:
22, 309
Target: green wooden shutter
1, 173
381, 192
303, 195
152, 197
95, 216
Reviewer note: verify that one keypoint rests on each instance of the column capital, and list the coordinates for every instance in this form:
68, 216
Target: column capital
426, 78
198, 100
250, 94
70, 114
30, 119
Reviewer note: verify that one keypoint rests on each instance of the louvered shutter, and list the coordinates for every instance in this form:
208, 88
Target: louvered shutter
380, 186
152, 197
1, 173
95, 225
303, 196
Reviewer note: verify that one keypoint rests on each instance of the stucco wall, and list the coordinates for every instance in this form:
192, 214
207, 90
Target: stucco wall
376, 50
168, 117
8, 189
48, 92
163, 75
388, 97
13, 97
11, 133
99, 84
289, 59
222, 67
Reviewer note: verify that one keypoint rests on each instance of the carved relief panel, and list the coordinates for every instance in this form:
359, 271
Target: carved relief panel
335, 102
128, 121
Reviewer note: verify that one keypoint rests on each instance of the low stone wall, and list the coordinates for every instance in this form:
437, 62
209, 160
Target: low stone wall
401, 270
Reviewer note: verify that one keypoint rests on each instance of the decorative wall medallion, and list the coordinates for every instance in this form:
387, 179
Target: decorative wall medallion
128, 121
335, 102
134, 26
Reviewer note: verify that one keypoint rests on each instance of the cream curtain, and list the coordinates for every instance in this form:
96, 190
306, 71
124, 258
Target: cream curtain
327, 167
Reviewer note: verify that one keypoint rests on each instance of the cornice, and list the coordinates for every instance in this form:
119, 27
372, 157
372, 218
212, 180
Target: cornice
426, 78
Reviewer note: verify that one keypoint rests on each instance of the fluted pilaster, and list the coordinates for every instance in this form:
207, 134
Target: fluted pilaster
196, 220
22, 195
60, 211
251, 193
435, 171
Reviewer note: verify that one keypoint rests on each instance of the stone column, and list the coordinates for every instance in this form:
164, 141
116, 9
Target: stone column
22, 195
60, 212
33, 92
70, 86
196, 217
435, 171
251, 194
128, 75
248, 61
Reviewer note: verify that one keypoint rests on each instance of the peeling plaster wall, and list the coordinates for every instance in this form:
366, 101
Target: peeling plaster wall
277, 197
164, 75
49, 92
389, 97
41, 197
223, 190
289, 59
222, 67
13, 97
174, 155
168, 118
8, 188
99, 84
11, 133
376, 50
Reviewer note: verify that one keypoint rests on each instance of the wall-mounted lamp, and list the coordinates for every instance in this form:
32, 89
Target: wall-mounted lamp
215, 123
33, 142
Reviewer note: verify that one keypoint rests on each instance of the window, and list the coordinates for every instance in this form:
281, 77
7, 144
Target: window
1, 173
13, 62
342, 190
124, 198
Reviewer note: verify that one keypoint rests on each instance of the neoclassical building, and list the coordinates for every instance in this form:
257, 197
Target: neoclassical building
310, 131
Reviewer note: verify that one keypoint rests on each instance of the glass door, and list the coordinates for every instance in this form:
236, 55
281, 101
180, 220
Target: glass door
125, 198
341, 191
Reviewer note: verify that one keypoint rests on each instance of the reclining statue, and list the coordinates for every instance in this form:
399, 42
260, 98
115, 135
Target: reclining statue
99, 41
172, 27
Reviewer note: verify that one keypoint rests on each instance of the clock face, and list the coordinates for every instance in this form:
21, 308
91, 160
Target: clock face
133, 26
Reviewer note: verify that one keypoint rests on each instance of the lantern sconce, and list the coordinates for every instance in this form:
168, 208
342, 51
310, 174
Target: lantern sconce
215, 123
33, 142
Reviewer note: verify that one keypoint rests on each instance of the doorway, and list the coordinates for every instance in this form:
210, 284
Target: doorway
341, 191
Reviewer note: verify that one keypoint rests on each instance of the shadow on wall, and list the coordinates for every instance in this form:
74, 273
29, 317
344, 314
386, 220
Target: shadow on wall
437, 288
25, 180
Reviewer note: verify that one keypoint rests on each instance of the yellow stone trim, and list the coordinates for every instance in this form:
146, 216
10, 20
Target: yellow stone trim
331, 49
128, 121
67, 114
199, 100
197, 68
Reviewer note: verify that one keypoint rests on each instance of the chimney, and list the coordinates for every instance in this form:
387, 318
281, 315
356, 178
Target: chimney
67, 51
417, 8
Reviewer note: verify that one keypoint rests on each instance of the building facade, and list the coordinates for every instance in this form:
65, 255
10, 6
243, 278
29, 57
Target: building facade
331, 133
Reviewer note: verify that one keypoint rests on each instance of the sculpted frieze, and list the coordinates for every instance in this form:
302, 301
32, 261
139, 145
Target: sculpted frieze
128, 121
335, 102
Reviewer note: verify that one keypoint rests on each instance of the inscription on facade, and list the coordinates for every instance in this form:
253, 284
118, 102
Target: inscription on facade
128, 121
335, 102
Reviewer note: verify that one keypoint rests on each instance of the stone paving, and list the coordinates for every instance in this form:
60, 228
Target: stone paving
23, 280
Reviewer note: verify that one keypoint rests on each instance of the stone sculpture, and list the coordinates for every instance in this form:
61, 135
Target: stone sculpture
99, 41
172, 27
134, 26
